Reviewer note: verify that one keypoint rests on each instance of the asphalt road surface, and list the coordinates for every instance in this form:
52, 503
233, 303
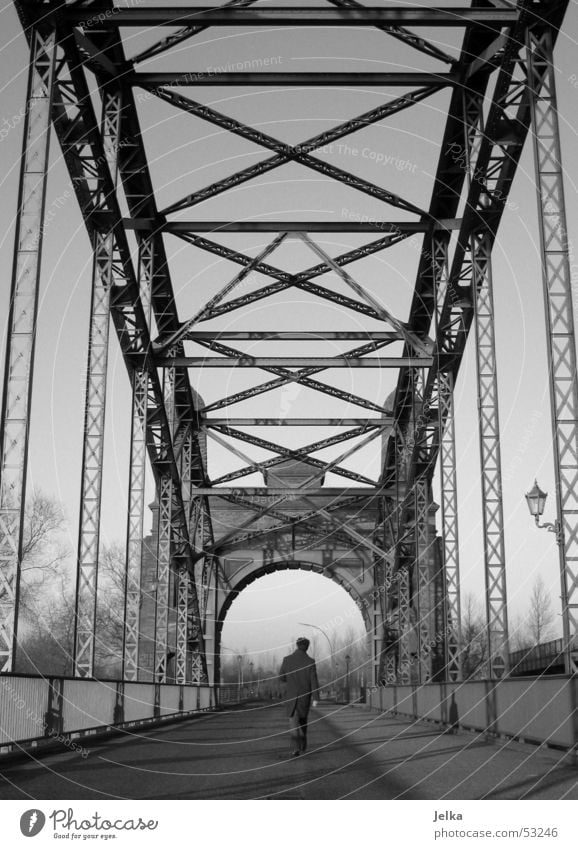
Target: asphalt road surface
244, 753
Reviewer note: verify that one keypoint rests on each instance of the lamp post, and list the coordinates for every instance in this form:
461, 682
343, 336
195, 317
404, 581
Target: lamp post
251, 667
332, 655
240, 675
536, 500
347, 689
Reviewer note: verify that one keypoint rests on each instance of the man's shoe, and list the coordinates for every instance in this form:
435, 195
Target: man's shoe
295, 753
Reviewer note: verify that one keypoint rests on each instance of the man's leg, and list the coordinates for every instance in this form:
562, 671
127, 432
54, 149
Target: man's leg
303, 736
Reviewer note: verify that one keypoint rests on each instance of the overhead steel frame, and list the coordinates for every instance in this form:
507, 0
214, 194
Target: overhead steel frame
486, 46
17, 387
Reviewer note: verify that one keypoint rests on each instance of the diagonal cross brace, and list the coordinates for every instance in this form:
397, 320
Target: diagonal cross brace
292, 153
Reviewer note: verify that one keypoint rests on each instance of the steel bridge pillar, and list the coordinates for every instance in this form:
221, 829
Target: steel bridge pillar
491, 469
92, 458
165, 486
184, 589
423, 575
450, 538
17, 390
561, 343
210, 599
479, 273
450, 577
136, 497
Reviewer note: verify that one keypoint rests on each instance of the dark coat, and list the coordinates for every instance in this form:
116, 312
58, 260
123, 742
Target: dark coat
298, 672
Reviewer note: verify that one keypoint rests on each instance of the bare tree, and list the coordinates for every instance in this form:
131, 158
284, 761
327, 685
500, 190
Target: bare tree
540, 617
474, 638
43, 554
48, 647
110, 611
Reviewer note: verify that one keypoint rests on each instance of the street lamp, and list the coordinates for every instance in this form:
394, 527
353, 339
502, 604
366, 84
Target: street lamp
536, 500
332, 655
347, 690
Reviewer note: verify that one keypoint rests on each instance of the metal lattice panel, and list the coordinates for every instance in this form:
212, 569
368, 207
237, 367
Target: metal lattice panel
22, 320
493, 514
90, 500
557, 282
423, 573
450, 537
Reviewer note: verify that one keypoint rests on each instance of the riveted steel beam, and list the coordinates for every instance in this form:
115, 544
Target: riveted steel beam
247, 361
92, 459
559, 313
20, 342
270, 226
458, 16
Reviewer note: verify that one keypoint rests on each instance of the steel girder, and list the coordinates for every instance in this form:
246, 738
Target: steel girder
103, 279
84, 154
17, 387
493, 164
228, 16
561, 351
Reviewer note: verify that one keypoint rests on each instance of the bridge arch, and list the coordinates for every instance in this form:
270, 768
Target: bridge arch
251, 572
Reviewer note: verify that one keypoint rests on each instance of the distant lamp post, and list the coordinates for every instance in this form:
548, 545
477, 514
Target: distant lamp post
240, 675
333, 662
347, 689
536, 500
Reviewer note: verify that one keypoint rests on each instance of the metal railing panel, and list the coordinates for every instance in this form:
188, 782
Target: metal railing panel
139, 700
537, 709
87, 704
429, 701
23, 704
205, 698
170, 699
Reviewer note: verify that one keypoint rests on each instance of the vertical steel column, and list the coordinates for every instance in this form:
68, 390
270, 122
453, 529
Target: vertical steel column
448, 481
449, 505
489, 426
136, 498
17, 390
184, 591
404, 626
164, 558
92, 458
557, 284
164, 549
423, 608
491, 468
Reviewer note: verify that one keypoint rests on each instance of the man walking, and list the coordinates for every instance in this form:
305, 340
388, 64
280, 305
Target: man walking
298, 672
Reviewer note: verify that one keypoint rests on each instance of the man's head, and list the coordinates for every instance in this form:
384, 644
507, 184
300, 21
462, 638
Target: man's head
303, 643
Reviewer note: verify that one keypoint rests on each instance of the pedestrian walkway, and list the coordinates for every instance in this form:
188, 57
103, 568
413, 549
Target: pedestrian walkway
242, 753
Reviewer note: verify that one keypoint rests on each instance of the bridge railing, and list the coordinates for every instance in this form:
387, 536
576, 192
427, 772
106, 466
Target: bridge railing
537, 658
535, 710
36, 711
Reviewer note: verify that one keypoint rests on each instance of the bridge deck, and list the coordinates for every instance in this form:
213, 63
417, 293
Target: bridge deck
242, 754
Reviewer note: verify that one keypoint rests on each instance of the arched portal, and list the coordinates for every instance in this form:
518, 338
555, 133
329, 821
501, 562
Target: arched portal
358, 586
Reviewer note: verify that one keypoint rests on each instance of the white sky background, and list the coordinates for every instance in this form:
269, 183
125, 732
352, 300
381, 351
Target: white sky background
186, 154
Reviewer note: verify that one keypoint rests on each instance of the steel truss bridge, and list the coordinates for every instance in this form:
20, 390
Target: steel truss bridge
215, 534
